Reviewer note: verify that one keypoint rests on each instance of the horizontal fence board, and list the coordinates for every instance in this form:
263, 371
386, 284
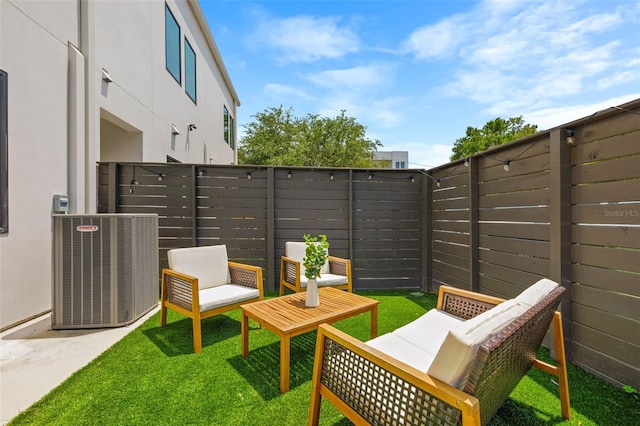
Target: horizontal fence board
438, 215
602, 171
625, 190
451, 237
607, 214
532, 231
451, 259
606, 344
515, 245
604, 300
613, 236
539, 180
500, 288
461, 191
447, 247
443, 279
513, 199
607, 257
532, 214
454, 226
625, 283
450, 203
507, 274
607, 322
451, 270
608, 127
535, 265
521, 166
615, 146
604, 366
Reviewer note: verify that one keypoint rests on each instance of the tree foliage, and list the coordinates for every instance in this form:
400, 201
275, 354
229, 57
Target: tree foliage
279, 138
496, 132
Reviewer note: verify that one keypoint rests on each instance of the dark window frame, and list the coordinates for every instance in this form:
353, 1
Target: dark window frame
168, 14
232, 133
188, 49
4, 153
225, 123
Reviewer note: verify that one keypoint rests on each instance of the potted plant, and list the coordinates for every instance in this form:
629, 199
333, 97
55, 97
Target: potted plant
316, 255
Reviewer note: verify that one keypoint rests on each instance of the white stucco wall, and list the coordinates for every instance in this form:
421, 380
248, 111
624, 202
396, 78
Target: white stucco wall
56, 128
33, 51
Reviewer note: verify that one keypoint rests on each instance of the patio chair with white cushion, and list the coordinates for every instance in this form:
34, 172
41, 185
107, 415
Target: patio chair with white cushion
336, 272
456, 364
201, 282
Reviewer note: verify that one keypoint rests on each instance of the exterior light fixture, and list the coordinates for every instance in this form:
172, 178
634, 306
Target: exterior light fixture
570, 136
370, 176
331, 176
438, 183
174, 130
202, 172
466, 162
191, 126
289, 174
412, 179
505, 166
161, 177
249, 175
106, 77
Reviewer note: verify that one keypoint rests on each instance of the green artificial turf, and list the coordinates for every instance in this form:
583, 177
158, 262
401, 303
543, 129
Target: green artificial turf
152, 377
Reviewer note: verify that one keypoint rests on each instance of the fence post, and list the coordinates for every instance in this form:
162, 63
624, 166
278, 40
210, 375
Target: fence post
427, 230
560, 224
271, 269
474, 227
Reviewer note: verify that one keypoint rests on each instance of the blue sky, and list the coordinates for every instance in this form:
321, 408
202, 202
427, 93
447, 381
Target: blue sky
417, 73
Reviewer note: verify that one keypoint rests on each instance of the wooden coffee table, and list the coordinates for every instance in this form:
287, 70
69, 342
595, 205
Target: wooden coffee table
287, 316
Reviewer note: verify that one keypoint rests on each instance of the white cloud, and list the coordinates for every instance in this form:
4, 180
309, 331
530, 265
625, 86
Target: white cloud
549, 118
279, 91
517, 56
306, 38
361, 76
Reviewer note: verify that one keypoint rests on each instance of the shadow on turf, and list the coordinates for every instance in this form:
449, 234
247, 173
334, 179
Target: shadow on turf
176, 338
261, 369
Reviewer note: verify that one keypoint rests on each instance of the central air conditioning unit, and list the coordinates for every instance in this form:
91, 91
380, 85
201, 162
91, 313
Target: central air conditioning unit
105, 269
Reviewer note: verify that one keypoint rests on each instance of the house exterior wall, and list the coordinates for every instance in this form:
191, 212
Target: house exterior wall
62, 116
395, 159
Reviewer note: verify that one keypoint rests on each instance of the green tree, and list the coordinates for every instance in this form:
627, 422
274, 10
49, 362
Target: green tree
496, 132
278, 138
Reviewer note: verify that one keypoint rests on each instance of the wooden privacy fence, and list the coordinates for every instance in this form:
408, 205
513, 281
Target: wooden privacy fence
543, 206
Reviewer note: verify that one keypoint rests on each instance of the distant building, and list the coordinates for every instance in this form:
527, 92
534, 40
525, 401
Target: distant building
84, 81
392, 159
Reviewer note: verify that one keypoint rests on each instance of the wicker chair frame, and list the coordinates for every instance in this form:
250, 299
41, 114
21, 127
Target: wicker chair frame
290, 274
180, 294
370, 387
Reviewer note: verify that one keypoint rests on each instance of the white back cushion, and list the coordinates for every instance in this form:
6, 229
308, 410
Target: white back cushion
453, 360
536, 292
209, 264
297, 251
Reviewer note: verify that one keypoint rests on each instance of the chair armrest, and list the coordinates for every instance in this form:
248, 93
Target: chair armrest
290, 271
368, 385
179, 289
246, 275
464, 304
339, 266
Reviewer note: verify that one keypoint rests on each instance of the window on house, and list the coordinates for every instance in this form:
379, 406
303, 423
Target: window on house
4, 152
189, 70
225, 113
232, 135
172, 44
399, 164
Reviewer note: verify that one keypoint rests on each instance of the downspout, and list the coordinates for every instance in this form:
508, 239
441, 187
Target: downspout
91, 135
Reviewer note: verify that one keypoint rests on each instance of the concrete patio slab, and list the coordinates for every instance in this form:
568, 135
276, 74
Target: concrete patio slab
34, 359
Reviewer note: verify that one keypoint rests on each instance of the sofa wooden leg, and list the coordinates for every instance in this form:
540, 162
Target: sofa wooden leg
197, 335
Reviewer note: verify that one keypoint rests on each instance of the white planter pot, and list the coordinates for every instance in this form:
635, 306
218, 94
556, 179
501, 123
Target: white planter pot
312, 294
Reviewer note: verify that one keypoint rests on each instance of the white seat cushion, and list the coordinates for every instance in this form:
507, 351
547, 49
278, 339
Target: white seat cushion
536, 292
429, 330
208, 263
296, 250
223, 295
325, 280
402, 350
453, 360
